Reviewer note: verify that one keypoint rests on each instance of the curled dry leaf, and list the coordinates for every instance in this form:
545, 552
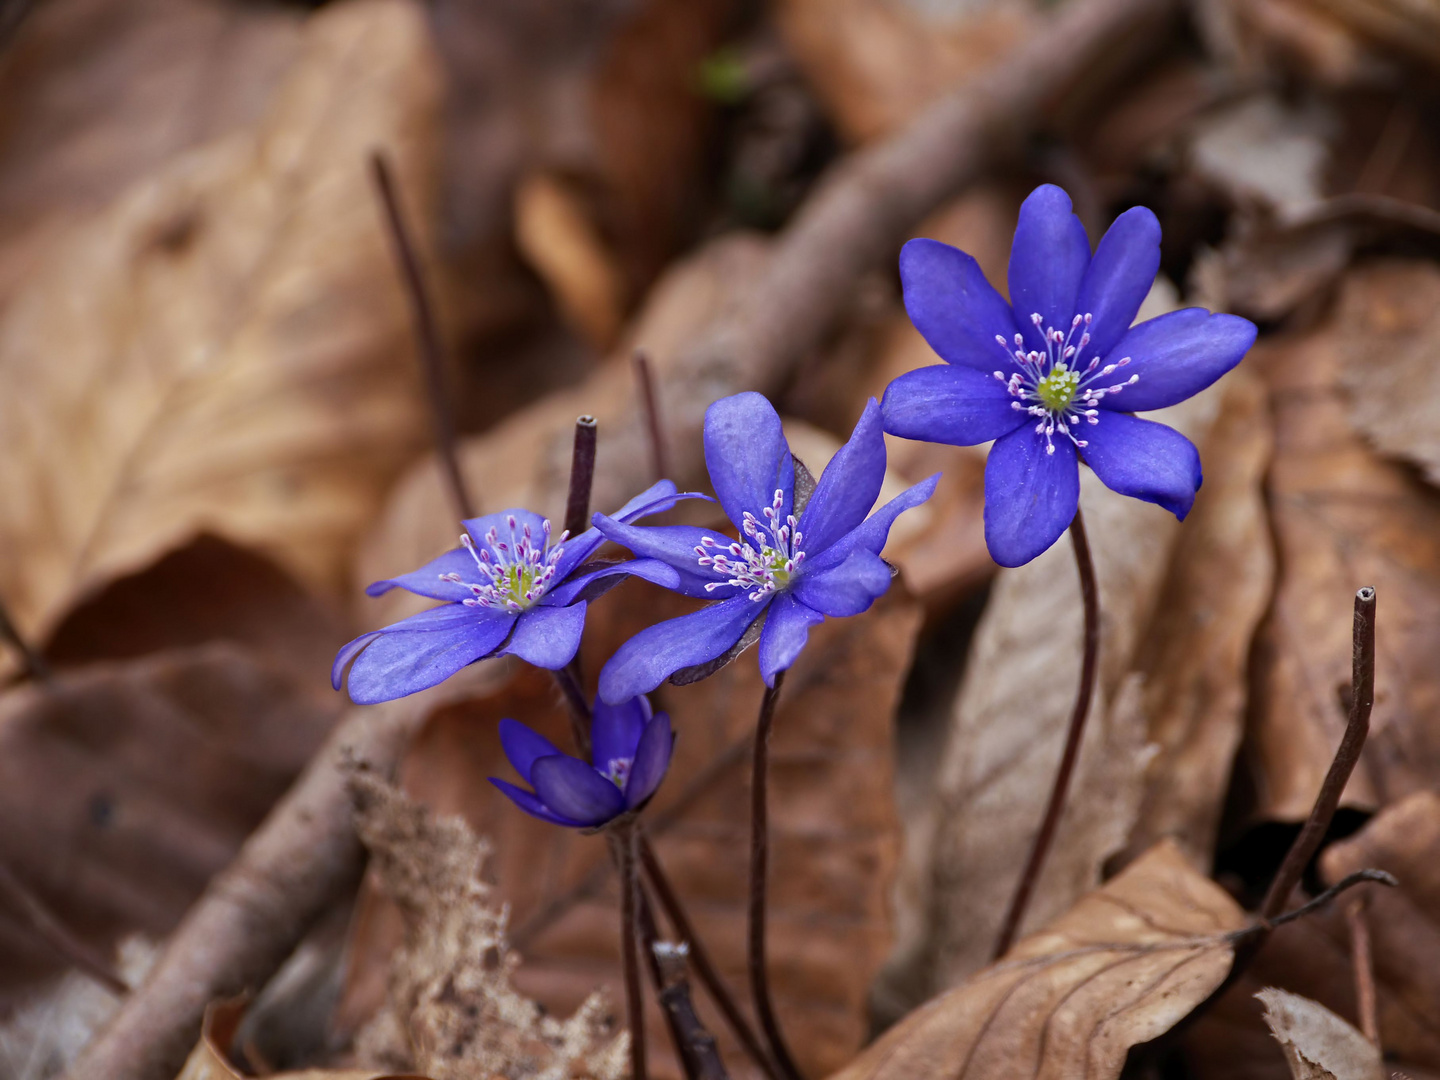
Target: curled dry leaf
452, 1011
124, 787
1318, 1044
235, 342
834, 835
1122, 967
1011, 715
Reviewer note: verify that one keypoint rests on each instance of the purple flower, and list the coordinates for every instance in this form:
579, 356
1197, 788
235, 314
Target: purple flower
512, 589
631, 751
795, 563
1060, 375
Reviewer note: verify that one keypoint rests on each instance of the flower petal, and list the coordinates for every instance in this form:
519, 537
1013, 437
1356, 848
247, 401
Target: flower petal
547, 637
846, 589
426, 581
871, 534
1144, 460
955, 405
615, 730
596, 582
1030, 495
1047, 260
747, 455
787, 627
955, 309
1119, 278
402, 660
655, 499
652, 761
524, 746
348, 652
657, 652
1176, 356
674, 545
848, 487
572, 789
530, 803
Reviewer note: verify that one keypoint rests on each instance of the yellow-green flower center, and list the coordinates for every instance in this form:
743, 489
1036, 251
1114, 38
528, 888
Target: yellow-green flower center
1057, 389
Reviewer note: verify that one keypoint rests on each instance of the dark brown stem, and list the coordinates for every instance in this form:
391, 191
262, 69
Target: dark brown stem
35, 665
427, 334
759, 860
53, 932
1362, 697
579, 707
697, 1047
649, 938
582, 477
629, 896
704, 967
651, 402
1364, 964
1045, 837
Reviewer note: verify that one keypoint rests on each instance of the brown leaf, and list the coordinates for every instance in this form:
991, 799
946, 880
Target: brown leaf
1123, 966
124, 787
1318, 1044
833, 829
235, 342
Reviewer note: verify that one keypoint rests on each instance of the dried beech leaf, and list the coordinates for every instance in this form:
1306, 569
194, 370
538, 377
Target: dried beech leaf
1122, 967
834, 834
1318, 1044
1010, 718
235, 341
124, 787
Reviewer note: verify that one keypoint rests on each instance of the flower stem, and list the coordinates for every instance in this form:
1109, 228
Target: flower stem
629, 890
1045, 837
650, 400
759, 859
582, 476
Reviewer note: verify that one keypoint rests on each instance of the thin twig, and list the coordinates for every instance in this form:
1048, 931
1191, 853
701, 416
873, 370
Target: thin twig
35, 665
1262, 928
634, 1002
699, 1053
427, 334
578, 708
582, 477
1364, 964
1362, 697
759, 864
649, 399
57, 936
1045, 837
649, 937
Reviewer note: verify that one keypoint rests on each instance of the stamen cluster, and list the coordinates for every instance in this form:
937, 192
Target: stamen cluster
1051, 386
518, 570
763, 570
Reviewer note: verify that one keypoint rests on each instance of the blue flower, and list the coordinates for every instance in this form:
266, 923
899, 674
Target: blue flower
511, 590
794, 564
631, 751
1061, 374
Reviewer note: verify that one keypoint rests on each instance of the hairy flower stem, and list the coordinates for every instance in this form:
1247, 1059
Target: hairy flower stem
1045, 837
624, 840
582, 476
427, 333
759, 860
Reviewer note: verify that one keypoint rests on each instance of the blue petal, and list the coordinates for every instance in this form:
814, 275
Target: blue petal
1030, 495
596, 582
954, 405
572, 789
348, 652
426, 581
528, 802
615, 730
547, 637
747, 455
955, 309
1047, 260
872, 533
1176, 356
523, 746
1119, 278
652, 761
653, 500
787, 626
657, 652
1144, 460
846, 589
424, 650
674, 545
848, 487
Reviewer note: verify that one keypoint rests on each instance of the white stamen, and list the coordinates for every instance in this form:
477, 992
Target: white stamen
763, 570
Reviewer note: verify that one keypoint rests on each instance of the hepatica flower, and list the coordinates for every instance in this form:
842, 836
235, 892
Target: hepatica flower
512, 587
1057, 375
631, 753
792, 564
